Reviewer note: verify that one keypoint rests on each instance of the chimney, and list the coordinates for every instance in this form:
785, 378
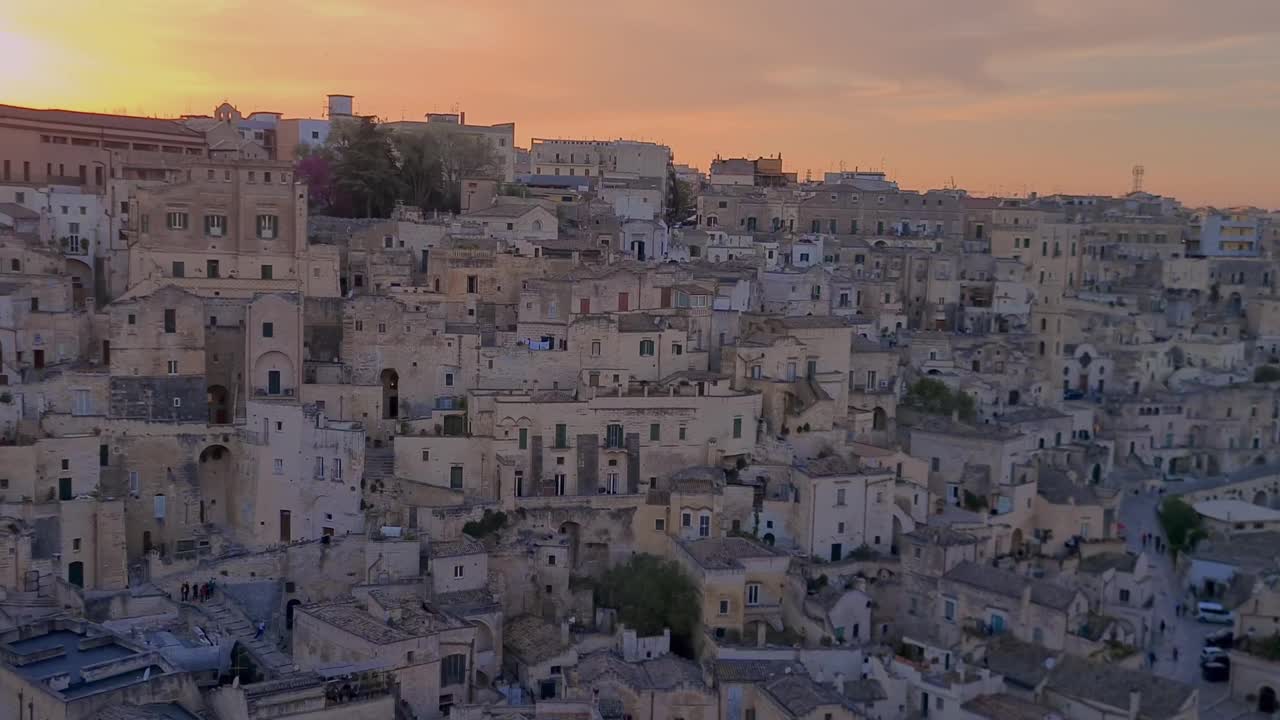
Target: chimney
1135, 703
564, 632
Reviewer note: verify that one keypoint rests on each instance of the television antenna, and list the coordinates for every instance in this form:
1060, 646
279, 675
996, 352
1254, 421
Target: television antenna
1138, 173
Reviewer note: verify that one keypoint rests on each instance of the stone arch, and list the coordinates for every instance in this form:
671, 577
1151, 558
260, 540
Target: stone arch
81, 280
288, 612
390, 381
215, 472
273, 374
768, 539
879, 419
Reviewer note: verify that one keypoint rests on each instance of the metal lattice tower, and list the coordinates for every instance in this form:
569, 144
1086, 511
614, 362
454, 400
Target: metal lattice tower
1138, 173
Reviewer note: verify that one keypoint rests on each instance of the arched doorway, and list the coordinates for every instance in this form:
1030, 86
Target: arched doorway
214, 476
1014, 397
217, 398
288, 612
390, 393
75, 574
768, 539
1097, 473
879, 419
1260, 498
1266, 699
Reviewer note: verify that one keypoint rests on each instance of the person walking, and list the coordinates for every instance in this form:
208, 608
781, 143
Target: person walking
1175, 654
262, 628
186, 590
1151, 660
1162, 627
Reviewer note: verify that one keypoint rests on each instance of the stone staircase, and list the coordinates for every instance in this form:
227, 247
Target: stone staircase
234, 626
379, 464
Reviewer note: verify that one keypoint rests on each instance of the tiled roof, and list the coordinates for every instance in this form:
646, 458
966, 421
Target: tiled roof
799, 695
752, 671
100, 120
725, 553
1011, 585
1160, 697
532, 639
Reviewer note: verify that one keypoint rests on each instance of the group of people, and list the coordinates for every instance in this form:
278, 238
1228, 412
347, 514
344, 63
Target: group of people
197, 592
1154, 541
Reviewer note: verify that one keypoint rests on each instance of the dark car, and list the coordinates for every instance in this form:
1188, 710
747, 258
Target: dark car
1216, 670
1072, 395
1221, 639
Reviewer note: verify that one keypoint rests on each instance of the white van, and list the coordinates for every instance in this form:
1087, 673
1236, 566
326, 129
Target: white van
1208, 612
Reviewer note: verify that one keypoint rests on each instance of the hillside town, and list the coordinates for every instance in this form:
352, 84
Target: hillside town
336, 418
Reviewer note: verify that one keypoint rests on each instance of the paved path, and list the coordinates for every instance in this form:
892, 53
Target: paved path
1138, 513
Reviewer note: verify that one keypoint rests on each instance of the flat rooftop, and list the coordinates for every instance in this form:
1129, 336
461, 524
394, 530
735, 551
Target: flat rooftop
72, 653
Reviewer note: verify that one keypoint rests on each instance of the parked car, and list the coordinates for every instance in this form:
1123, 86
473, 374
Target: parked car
1211, 612
1210, 653
1216, 671
1223, 638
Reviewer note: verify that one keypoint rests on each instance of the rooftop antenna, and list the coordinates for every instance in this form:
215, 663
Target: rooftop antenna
1138, 173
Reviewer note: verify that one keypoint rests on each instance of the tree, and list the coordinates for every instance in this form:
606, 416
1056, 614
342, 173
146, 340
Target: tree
934, 397
681, 200
315, 168
1266, 374
462, 157
421, 169
1181, 523
651, 593
364, 166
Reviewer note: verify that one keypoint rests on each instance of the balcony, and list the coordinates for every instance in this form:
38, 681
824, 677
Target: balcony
262, 393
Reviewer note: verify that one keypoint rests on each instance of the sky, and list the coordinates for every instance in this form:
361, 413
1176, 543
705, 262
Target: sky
997, 96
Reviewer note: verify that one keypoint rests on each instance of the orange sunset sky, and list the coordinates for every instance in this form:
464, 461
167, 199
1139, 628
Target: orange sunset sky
1005, 96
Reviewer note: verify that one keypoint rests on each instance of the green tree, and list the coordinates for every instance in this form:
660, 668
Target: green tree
681, 200
651, 593
1266, 374
934, 397
1181, 524
364, 165
421, 169
465, 157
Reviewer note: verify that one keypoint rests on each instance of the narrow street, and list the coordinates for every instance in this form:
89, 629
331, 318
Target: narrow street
1138, 514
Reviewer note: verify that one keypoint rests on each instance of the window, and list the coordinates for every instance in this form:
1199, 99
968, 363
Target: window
170, 320
268, 226
176, 220
949, 610
704, 526
561, 483
595, 348
613, 435
173, 367
268, 330
277, 466
81, 403
686, 520
1124, 595
211, 269
458, 571
646, 348
682, 432
158, 507
64, 489
318, 471
724, 607
455, 477
655, 432
75, 544
135, 483
448, 379
336, 469
753, 594
840, 496
562, 436
179, 269
551, 560
737, 428
267, 272
453, 669
935, 464
659, 524
215, 225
